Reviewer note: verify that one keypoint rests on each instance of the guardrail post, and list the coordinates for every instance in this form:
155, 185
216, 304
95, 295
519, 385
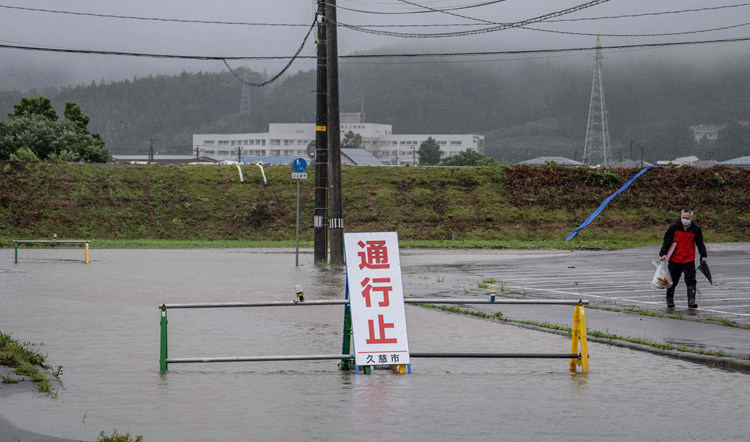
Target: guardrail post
347, 342
15, 246
87, 252
579, 335
163, 352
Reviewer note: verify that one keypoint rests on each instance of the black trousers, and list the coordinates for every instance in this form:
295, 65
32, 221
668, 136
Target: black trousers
677, 269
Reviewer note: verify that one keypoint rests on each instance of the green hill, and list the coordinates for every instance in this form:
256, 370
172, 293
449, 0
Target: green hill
501, 202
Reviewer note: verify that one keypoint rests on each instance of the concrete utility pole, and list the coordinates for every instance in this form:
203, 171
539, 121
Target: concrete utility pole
335, 215
320, 220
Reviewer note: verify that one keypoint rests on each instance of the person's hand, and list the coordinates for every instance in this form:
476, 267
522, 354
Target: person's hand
704, 259
663, 257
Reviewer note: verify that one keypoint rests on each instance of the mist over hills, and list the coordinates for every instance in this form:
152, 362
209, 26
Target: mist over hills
524, 108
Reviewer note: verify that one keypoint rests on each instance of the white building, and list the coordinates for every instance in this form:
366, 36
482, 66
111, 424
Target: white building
292, 139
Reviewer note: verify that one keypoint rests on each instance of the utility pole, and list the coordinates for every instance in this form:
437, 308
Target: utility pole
239, 153
197, 151
335, 214
320, 220
597, 149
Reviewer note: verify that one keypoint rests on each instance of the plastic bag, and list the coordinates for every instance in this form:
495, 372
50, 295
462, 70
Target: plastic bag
662, 277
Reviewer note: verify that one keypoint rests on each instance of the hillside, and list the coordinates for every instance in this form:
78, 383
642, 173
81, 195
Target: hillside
499, 202
524, 108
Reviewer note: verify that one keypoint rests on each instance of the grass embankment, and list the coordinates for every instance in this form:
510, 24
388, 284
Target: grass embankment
487, 207
25, 362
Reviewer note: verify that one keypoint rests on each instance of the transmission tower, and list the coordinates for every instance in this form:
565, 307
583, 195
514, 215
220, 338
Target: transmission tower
597, 151
245, 102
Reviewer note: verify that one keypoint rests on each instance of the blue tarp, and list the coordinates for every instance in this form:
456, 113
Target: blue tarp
604, 204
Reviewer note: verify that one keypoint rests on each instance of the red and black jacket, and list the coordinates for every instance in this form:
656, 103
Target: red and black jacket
686, 241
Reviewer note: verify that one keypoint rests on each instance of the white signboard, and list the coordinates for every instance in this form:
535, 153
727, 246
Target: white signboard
376, 296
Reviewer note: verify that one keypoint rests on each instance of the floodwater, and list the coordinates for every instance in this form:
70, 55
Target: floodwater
101, 322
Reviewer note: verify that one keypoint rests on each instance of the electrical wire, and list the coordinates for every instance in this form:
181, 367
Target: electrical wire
131, 17
498, 27
288, 65
376, 56
418, 11
662, 34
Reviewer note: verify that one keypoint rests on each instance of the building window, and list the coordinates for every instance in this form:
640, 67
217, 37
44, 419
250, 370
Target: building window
275, 142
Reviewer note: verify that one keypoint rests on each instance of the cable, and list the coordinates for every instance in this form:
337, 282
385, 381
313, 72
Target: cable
130, 17
376, 56
600, 34
288, 65
499, 27
417, 12
645, 14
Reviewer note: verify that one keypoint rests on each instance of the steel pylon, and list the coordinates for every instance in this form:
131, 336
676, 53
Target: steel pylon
596, 150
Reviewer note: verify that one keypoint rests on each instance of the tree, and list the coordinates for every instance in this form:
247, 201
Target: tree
429, 152
34, 106
34, 128
467, 158
352, 141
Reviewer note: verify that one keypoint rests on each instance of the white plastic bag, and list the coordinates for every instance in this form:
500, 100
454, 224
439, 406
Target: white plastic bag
662, 277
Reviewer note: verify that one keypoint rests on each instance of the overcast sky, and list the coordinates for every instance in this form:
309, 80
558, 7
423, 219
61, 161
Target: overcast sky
58, 30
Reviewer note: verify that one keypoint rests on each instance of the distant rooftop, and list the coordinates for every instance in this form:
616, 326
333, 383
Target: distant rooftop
739, 161
359, 157
560, 161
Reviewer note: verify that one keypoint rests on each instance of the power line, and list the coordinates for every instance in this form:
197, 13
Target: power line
131, 17
375, 56
498, 27
646, 14
288, 65
418, 11
662, 34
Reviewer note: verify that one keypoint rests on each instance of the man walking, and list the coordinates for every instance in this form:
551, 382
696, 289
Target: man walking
687, 235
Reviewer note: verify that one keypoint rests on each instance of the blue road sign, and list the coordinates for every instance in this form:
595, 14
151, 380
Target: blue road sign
299, 165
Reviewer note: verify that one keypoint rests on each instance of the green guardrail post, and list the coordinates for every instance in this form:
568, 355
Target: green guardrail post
346, 364
15, 246
163, 352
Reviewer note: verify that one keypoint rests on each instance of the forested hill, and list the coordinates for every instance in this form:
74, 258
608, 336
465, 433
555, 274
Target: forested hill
524, 108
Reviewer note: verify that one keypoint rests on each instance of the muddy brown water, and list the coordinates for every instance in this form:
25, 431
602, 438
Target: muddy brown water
101, 322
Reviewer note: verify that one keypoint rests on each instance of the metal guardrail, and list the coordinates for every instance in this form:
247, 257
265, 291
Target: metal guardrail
576, 357
16, 242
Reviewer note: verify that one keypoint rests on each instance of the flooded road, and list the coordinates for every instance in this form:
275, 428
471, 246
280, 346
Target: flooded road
101, 322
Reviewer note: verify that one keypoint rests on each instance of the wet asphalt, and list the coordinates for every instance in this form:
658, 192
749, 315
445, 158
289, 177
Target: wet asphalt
617, 286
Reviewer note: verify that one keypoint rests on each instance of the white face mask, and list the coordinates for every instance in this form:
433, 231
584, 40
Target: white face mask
685, 222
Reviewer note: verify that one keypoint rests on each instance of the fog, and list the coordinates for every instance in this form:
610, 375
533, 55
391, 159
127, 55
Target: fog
23, 69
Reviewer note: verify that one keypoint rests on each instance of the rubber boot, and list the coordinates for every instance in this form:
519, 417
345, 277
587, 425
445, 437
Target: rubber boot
691, 296
670, 297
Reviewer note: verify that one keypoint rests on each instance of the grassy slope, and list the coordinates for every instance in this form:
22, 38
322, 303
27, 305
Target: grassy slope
500, 205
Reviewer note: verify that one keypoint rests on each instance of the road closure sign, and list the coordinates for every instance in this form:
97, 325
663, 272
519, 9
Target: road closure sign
376, 297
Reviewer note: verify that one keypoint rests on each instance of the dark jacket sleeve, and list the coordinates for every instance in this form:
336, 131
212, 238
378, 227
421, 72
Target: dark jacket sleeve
668, 240
699, 242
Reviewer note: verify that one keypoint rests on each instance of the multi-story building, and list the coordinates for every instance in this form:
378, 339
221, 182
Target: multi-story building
292, 139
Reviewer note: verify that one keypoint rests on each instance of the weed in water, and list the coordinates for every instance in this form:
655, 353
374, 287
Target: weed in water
117, 437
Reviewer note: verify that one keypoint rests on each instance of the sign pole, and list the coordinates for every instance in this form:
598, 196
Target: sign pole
296, 257
299, 166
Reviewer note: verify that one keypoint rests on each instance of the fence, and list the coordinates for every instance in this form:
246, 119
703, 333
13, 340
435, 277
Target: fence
576, 357
16, 242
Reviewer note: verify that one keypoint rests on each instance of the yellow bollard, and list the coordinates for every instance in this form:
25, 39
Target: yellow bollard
579, 334
399, 368
86, 259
